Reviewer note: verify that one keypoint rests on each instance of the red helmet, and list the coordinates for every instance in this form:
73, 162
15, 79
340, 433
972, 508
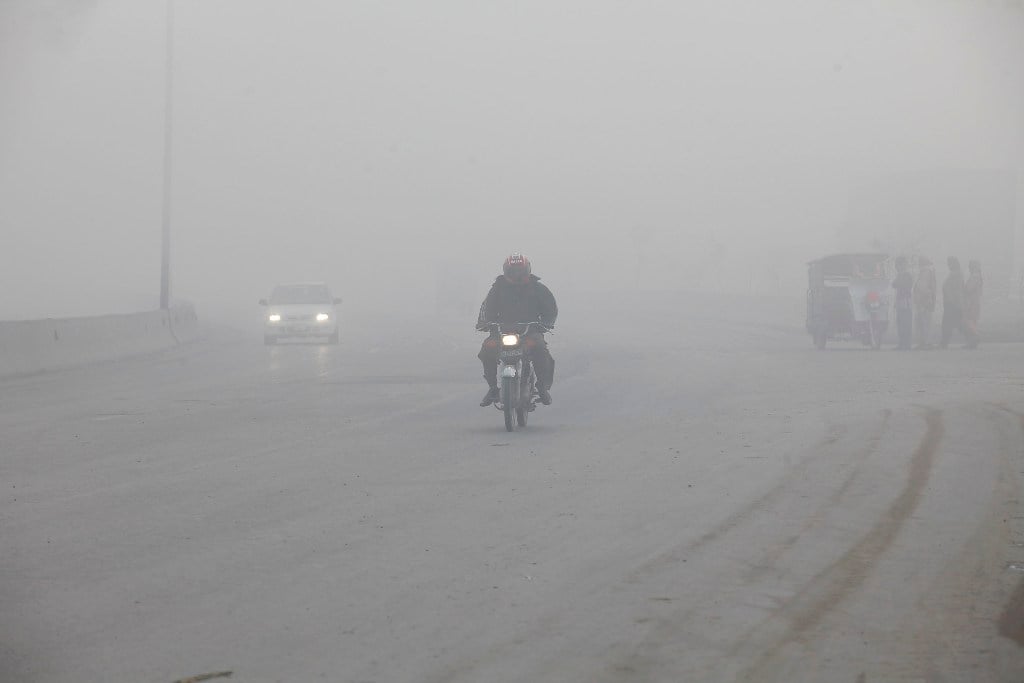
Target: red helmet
517, 268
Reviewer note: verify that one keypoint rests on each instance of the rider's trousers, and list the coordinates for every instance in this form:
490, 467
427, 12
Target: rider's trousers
543, 363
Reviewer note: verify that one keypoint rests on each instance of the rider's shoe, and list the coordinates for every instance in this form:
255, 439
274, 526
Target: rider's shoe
492, 395
544, 395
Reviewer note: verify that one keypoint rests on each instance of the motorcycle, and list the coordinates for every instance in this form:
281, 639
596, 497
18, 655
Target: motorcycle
515, 370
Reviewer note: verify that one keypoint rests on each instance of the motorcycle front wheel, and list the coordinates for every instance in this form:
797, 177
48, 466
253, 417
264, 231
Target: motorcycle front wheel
508, 401
525, 396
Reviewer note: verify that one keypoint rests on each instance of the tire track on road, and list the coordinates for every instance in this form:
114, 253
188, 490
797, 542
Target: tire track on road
632, 662
949, 634
772, 556
835, 434
640, 659
844, 576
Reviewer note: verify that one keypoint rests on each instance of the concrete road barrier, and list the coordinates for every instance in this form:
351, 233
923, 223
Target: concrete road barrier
29, 346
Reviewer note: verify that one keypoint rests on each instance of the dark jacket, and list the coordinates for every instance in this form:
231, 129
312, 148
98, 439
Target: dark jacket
973, 289
518, 303
953, 291
925, 290
904, 286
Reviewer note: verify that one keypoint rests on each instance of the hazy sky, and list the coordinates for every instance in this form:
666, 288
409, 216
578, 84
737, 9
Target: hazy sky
375, 145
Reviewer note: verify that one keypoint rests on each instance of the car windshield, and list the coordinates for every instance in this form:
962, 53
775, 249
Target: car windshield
300, 294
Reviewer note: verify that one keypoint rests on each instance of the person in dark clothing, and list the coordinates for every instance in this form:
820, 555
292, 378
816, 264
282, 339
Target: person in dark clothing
904, 286
517, 296
925, 294
973, 289
952, 301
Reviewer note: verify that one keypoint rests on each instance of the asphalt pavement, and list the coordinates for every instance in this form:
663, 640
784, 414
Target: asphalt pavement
708, 499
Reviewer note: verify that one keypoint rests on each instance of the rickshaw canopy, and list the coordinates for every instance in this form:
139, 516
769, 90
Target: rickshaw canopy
859, 266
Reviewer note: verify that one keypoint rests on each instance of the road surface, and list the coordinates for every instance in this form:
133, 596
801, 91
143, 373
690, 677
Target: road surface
708, 499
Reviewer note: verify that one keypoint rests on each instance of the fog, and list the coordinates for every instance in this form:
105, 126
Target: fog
392, 149
702, 495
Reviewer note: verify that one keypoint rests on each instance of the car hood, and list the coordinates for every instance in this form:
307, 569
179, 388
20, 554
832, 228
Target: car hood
300, 309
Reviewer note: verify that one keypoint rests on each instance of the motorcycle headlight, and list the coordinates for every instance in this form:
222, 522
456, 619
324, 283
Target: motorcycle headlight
322, 317
274, 317
510, 340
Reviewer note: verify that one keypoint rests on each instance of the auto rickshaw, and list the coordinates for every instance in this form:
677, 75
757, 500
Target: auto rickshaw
847, 298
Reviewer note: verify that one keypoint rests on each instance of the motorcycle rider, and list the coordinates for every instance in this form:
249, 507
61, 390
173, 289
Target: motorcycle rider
517, 296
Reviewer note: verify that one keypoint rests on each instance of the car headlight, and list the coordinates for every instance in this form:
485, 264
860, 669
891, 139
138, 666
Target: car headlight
274, 317
510, 340
322, 317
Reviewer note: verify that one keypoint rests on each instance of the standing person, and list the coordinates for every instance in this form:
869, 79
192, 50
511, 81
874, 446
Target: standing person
517, 296
973, 289
925, 295
952, 301
904, 286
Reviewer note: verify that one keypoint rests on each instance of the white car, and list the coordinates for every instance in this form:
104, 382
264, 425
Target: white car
303, 310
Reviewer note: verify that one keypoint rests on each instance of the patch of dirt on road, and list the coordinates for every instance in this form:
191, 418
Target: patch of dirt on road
1011, 623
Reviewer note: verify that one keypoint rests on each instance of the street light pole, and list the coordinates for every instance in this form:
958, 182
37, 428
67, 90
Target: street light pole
165, 242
